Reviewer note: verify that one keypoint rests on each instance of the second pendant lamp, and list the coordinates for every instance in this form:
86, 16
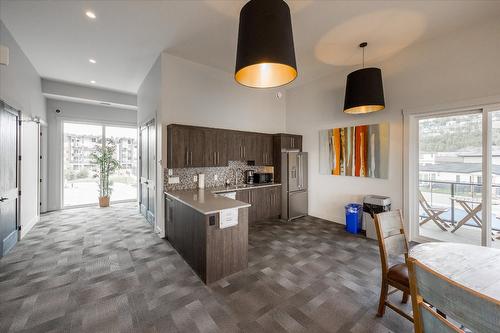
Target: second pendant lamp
364, 90
265, 56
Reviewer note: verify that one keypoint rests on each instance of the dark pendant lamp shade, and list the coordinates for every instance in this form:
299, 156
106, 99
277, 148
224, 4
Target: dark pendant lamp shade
265, 56
364, 91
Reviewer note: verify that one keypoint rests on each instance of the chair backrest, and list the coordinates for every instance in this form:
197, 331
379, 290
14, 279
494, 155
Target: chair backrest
475, 311
391, 236
423, 201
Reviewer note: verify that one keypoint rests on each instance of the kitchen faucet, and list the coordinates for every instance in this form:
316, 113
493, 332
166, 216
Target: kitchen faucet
235, 170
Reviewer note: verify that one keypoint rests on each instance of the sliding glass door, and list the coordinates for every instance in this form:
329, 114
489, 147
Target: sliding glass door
454, 176
449, 192
80, 183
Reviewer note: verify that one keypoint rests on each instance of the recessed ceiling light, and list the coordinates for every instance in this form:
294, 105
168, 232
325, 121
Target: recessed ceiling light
92, 61
93, 82
90, 14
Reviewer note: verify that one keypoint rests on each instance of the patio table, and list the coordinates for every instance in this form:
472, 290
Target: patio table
467, 204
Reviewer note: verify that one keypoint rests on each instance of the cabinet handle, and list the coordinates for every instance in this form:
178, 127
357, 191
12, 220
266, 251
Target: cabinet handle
244, 151
191, 158
187, 157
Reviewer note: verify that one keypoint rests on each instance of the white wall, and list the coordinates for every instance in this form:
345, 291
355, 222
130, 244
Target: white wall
196, 94
20, 87
148, 96
74, 112
463, 66
20, 84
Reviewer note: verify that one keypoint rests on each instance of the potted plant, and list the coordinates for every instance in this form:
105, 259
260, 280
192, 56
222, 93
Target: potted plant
107, 164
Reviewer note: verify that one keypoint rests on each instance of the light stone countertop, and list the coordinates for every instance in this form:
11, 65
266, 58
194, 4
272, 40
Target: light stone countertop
207, 201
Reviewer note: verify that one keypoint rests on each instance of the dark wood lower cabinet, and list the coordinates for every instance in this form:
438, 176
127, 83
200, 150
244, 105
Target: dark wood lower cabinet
266, 202
213, 253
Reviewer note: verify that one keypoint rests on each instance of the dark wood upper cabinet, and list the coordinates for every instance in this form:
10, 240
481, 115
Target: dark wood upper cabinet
178, 147
191, 146
290, 141
186, 147
215, 147
236, 141
264, 150
250, 147
196, 148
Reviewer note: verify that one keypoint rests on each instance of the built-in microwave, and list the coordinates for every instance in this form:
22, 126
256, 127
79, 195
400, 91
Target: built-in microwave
262, 177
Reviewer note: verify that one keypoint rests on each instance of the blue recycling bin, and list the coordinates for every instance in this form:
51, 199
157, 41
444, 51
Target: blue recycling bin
353, 217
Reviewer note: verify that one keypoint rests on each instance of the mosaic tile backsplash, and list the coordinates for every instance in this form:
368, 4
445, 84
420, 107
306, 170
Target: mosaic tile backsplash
186, 175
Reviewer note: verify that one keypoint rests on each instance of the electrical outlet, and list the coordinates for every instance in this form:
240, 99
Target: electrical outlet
170, 172
173, 180
216, 177
195, 178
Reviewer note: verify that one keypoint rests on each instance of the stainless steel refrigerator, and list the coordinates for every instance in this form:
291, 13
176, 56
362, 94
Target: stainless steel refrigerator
294, 185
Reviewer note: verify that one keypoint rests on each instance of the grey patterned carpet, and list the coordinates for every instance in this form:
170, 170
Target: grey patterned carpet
104, 270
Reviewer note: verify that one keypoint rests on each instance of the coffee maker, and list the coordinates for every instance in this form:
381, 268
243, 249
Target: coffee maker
249, 176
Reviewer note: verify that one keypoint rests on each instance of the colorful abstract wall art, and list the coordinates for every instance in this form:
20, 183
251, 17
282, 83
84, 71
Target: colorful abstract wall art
359, 151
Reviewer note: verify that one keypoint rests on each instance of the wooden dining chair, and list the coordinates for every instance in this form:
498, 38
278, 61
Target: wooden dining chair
392, 242
433, 213
430, 290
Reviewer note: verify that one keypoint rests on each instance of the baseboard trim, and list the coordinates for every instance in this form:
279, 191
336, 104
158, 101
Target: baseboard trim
25, 228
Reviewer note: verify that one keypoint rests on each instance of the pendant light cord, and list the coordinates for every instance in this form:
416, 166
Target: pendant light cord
363, 57
363, 45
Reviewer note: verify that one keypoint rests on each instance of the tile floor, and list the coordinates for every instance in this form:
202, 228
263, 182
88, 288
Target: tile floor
104, 270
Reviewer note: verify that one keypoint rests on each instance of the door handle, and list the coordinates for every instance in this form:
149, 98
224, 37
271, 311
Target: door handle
2, 199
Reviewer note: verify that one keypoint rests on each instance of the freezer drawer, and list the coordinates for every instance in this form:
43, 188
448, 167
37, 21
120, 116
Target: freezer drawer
297, 204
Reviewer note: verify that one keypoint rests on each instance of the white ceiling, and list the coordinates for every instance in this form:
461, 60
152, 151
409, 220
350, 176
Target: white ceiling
128, 36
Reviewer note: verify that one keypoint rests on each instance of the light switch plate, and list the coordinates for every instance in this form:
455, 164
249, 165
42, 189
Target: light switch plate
173, 180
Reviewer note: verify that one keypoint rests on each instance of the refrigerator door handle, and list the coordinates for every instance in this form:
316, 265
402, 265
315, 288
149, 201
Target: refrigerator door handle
299, 169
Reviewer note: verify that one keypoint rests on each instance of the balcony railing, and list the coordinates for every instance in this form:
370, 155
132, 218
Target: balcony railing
441, 193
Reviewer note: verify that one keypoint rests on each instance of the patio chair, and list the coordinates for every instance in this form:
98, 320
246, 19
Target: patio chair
433, 213
392, 241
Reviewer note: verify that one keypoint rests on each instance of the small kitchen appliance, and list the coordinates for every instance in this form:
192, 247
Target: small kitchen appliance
249, 176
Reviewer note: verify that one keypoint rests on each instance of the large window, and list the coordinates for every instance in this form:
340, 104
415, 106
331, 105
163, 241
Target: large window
453, 175
80, 174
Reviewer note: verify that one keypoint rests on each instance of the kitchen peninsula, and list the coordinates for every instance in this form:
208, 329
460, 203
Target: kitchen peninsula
194, 227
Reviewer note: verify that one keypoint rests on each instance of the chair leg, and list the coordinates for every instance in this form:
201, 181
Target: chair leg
383, 298
405, 298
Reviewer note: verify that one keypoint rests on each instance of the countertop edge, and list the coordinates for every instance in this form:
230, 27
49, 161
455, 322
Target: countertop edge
241, 205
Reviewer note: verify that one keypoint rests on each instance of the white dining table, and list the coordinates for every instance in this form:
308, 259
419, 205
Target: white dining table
475, 267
